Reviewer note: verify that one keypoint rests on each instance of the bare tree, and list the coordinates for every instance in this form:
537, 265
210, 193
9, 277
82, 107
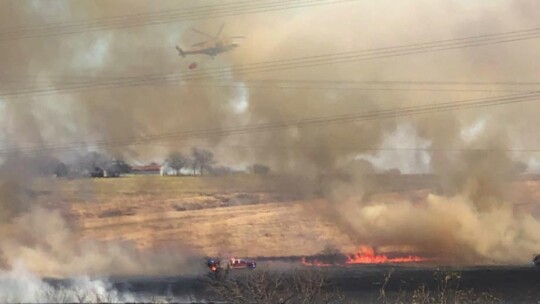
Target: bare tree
309, 286
220, 170
202, 159
177, 161
91, 160
260, 169
121, 166
447, 290
193, 166
61, 170
520, 167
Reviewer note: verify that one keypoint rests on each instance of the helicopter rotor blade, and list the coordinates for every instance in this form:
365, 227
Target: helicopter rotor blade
199, 44
202, 33
220, 30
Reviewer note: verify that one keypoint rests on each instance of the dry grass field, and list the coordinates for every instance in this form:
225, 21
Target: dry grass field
243, 215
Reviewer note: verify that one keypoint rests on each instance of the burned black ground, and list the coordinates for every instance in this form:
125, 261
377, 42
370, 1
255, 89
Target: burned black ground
509, 284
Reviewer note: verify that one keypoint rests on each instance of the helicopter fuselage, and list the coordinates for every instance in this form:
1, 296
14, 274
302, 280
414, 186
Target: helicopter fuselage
213, 49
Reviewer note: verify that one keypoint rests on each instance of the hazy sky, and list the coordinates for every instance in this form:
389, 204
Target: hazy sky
465, 219
270, 36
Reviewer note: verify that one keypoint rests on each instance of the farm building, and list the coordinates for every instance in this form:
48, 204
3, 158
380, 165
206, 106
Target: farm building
151, 169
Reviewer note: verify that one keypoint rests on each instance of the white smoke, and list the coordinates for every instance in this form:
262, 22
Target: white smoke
20, 285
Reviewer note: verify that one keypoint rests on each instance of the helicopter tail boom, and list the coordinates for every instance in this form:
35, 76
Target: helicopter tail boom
180, 51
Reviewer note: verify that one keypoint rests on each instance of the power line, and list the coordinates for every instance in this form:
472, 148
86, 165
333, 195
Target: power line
146, 19
151, 18
78, 78
361, 149
274, 81
392, 82
299, 123
100, 20
292, 63
343, 87
366, 149
286, 64
375, 85
534, 32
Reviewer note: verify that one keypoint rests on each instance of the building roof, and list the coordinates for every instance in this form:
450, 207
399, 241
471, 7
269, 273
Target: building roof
151, 167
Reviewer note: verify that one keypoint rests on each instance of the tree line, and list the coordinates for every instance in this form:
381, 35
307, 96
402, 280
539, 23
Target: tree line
202, 161
199, 161
97, 164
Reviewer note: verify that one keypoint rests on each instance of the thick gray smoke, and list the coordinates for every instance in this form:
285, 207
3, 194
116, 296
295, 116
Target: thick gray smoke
470, 218
49, 244
45, 240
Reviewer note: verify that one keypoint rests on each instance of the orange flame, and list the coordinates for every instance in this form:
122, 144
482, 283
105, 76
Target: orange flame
366, 255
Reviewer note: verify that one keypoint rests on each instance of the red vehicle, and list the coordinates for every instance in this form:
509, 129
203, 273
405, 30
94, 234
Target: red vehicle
239, 263
215, 264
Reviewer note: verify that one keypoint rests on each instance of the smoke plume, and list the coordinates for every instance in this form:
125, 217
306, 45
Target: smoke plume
470, 217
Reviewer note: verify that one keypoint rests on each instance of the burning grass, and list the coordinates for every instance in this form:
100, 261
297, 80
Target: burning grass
364, 255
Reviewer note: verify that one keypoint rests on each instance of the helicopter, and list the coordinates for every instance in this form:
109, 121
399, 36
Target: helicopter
212, 47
